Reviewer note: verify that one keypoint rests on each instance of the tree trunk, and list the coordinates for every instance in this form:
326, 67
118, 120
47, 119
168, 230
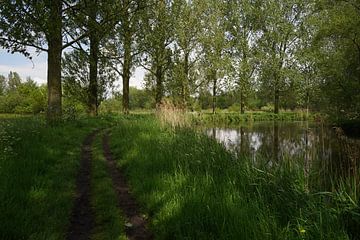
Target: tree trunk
242, 110
127, 65
93, 85
54, 39
185, 83
159, 86
214, 92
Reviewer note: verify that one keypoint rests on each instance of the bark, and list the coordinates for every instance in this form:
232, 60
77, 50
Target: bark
214, 92
127, 65
276, 101
54, 38
242, 105
159, 86
185, 83
93, 61
93, 85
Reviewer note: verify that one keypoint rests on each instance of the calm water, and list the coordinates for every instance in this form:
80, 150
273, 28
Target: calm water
279, 140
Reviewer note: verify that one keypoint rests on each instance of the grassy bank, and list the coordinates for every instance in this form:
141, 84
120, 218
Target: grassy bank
229, 118
192, 188
38, 166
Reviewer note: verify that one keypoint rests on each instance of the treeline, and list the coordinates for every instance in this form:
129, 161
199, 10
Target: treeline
262, 54
21, 97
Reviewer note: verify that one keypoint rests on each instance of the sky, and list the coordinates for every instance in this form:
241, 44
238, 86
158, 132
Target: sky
37, 68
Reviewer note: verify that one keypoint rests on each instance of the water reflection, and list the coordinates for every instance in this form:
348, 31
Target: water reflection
280, 140
315, 147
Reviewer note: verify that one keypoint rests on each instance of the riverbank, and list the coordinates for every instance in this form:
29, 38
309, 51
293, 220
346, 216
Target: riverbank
189, 185
193, 188
231, 118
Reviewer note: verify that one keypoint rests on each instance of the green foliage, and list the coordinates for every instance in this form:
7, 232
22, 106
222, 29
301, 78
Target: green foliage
22, 97
76, 78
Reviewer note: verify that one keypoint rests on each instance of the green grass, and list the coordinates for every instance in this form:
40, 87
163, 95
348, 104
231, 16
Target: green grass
192, 188
38, 165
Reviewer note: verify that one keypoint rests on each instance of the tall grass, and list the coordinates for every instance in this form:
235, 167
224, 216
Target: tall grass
170, 115
193, 188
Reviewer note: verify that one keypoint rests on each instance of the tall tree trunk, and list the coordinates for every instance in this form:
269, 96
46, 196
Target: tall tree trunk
127, 63
93, 85
213, 75
54, 39
242, 111
185, 82
159, 86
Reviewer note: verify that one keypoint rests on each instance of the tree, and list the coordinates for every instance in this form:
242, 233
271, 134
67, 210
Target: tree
77, 82
14, 81
214, 44
281, 31
336, 48
40, 24
186, 33
2, 85
123, 46
243, 30
96, 20
156, 38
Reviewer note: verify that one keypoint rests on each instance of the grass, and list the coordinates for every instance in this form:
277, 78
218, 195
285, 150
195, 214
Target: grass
38, 165
192, 188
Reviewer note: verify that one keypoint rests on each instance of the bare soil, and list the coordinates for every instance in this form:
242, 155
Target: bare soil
137, 225
82, 217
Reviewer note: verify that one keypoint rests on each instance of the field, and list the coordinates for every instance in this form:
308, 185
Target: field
186, 185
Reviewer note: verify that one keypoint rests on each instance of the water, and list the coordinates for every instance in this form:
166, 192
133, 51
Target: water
277, 140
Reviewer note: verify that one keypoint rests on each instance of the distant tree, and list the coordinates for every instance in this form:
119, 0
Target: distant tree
243, 29
282, 25
186, 36
123, 47
156, 39
14, 81
2, 85
214, 45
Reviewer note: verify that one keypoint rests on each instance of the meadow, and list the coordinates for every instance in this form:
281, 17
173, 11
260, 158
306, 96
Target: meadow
188, 185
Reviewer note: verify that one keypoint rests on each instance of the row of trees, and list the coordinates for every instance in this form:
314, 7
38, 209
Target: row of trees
301, 52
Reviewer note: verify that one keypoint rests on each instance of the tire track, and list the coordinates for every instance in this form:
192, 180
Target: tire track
136, 226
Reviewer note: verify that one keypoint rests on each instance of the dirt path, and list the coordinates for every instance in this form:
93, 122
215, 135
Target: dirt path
136, 227
82, 217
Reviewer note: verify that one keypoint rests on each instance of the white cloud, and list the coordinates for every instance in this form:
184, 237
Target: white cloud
37, 69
